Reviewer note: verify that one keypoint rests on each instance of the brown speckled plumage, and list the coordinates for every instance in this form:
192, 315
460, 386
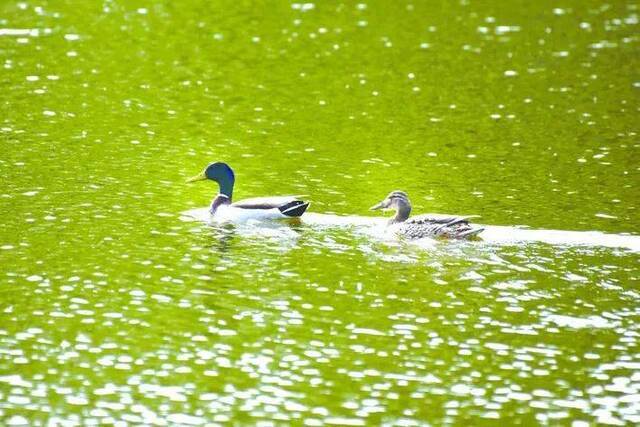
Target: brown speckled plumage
430, 225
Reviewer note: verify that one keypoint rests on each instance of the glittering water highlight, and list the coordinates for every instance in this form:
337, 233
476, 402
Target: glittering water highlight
116, 311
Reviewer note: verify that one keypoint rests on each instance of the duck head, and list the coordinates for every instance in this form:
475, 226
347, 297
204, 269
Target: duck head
398, 201
219, 172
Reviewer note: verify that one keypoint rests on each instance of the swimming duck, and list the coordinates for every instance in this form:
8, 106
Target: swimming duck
223, 209
431, 225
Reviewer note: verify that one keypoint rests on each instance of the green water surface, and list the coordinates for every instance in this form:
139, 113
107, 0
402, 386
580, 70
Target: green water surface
114, 311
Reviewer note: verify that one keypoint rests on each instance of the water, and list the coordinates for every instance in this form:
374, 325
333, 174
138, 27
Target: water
114, 309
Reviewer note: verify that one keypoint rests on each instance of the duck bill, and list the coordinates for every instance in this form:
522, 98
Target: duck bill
200, 177
380, 205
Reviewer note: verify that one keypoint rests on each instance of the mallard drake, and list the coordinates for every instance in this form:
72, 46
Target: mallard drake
223, 209
456, 227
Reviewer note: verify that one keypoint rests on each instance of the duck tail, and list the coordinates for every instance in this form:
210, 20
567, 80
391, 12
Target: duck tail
294, 209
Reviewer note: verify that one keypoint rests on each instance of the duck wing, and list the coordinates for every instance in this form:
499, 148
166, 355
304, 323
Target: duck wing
288, 206
265, 202
434, 225
440, 218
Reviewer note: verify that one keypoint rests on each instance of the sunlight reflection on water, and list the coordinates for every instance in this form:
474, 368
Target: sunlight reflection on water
114, 311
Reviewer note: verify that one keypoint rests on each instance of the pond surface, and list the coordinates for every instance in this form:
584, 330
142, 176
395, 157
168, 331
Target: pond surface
114, 310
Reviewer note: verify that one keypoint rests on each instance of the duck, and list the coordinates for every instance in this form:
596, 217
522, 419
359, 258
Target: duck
222, 207
421, 226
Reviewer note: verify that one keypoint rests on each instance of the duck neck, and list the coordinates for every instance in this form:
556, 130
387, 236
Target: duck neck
402, 214
226, 187
219, 200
